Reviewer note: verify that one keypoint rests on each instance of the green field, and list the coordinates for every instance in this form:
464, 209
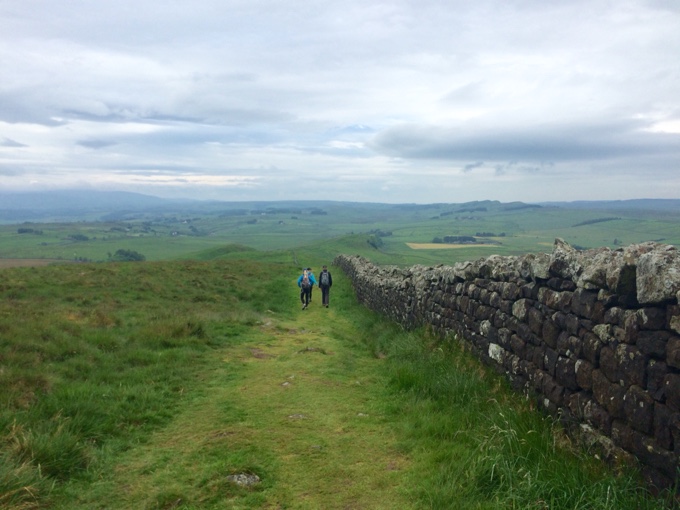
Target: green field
379, 231
148, 384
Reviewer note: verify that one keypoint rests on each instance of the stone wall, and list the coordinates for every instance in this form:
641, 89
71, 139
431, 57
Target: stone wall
593, 335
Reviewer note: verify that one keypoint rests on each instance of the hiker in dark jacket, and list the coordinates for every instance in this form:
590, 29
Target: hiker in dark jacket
325, 283
306, 281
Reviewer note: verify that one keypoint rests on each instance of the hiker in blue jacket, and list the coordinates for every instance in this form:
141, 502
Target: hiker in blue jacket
306, 281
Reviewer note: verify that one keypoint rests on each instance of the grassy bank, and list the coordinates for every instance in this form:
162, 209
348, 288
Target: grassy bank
147, 385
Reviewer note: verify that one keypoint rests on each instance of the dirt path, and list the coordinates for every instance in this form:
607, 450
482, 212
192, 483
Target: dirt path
296, 404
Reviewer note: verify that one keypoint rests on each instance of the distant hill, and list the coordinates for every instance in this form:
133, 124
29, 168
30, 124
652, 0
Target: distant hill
75, 200
641, 204
90, 205
73, 205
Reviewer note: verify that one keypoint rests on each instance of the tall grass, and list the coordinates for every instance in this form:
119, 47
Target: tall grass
482, 446
95, 357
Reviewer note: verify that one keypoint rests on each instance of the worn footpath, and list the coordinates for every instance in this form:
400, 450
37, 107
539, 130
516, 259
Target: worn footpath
289, 417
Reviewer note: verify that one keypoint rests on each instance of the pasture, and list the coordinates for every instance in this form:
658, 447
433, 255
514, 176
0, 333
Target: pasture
391, 234
4, 263
149, 384
156, 384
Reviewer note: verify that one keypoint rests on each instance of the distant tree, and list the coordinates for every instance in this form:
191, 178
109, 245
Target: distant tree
459, 239
79, 237
127, 256
381, 233
597, 220
375, 241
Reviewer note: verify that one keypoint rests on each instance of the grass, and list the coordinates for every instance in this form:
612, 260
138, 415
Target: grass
96, 356
482, 447
146, 385
345, 228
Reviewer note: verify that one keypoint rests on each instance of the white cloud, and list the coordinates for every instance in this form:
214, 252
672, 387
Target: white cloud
417, 101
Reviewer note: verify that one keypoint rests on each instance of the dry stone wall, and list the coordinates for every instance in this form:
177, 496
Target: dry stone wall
593, 335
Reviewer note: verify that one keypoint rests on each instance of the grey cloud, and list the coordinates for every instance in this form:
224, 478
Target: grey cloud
10, 171
505, 168
465, 94
319, 89
471, 166
7, 142
670, 5
199, 135
25, 108
353, 129
549, 143
164, 168
225, 117
96, 144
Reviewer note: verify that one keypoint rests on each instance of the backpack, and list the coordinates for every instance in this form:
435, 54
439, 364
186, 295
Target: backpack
306, 284
324, 279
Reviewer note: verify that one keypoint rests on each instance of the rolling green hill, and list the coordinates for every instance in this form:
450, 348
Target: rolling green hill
157, 384
396, 234
149, 384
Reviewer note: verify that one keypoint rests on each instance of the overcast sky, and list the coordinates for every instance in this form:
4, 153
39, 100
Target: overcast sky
387, 101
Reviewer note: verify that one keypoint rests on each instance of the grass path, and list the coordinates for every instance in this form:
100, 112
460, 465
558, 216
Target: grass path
296, 403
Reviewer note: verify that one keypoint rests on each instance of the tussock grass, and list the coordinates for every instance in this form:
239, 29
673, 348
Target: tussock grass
146, 385
481, 446
95, 357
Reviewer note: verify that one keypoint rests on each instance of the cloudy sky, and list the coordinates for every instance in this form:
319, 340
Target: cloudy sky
388, 101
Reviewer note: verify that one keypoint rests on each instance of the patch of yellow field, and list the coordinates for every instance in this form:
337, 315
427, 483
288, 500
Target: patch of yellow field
440, 246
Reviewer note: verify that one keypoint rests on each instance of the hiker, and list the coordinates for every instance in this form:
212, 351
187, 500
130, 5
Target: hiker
305, 282
311, 275
325, 282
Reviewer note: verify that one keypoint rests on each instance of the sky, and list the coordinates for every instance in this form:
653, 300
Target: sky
402, 101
